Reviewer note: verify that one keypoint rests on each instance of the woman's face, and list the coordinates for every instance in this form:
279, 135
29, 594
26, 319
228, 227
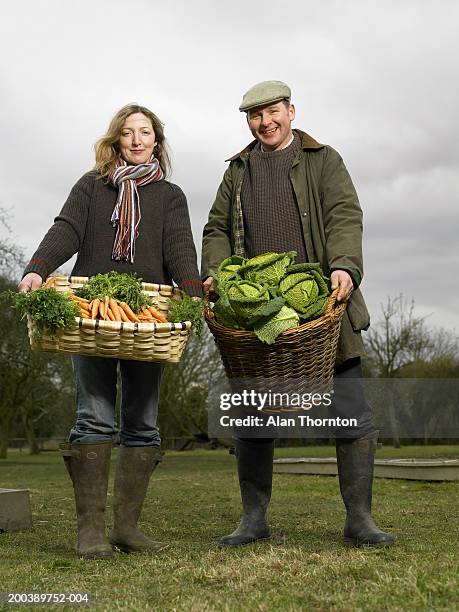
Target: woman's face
137, 139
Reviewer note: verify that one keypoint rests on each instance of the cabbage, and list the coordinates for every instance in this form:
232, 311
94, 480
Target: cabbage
228, 268
305, 291
225, 315
299, 290
246, 298
268, 268
268, 330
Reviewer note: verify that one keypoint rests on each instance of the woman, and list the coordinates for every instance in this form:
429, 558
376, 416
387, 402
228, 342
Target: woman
122, 216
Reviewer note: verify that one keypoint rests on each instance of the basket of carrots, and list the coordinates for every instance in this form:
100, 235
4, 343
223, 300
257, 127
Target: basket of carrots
108, 315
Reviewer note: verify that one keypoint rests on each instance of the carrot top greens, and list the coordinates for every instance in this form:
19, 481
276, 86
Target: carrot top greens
50, 309
119, 286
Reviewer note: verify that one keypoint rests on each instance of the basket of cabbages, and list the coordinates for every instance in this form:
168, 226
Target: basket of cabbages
274, 318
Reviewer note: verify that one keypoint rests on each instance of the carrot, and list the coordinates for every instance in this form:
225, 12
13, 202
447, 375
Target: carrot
110, 314
77, 298
105, 306
158, 315
132, 316
124, 316
95, 308
115, 309
102, 310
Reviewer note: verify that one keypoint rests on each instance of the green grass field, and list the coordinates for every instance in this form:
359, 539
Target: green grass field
194, 499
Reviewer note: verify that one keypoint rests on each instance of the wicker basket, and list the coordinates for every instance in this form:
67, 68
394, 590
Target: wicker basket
302, 355
163, 342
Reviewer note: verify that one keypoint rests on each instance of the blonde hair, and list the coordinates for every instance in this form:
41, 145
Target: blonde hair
107, 148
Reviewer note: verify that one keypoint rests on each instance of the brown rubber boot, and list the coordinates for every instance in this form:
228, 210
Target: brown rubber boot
134, 467
255, 471
89, 466
355, 459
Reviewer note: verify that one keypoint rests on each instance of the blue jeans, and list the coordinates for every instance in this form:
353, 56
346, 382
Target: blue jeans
95, 381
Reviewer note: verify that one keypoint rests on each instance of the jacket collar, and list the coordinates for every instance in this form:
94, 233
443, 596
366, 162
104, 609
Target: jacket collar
307, 142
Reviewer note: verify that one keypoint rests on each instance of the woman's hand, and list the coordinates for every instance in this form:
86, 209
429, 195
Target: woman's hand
30, 282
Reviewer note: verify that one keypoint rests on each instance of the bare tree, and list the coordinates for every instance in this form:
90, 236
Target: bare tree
400, 339
185, 387
11, 255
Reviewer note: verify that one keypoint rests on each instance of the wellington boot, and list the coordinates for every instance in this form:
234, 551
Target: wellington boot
255, 471
134, 467
88, 466
355, 460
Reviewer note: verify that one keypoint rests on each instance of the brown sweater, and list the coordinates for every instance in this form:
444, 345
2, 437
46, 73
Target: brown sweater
271, 216
164, 248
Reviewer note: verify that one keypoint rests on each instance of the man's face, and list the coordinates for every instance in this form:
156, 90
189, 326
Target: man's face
271, 124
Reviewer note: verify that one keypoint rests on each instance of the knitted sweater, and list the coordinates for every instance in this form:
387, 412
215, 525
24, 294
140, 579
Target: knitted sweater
271, 216
164, 248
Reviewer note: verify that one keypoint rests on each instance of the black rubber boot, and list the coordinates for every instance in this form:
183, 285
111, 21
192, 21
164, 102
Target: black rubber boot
134, 467
89, 466
255, 471
355, 460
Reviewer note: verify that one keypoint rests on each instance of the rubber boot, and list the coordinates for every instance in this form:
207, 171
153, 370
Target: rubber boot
134, 467
355, 460
255, 471
89, 466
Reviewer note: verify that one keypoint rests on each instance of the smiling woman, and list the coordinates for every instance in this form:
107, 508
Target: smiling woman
127, 124
137, 139
123, 216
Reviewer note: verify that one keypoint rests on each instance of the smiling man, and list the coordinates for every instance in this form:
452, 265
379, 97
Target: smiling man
283, 192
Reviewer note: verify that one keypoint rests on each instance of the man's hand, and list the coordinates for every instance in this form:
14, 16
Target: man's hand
30, 282
342, 279
208, 287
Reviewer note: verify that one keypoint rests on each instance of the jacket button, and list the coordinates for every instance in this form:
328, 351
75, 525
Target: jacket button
305, 214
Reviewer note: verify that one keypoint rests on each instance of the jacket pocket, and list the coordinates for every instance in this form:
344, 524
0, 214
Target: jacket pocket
358, 312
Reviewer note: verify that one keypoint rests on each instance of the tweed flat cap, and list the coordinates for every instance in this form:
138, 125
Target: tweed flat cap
265, 93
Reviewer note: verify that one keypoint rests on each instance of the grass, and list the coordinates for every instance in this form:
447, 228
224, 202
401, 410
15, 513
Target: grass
194, 499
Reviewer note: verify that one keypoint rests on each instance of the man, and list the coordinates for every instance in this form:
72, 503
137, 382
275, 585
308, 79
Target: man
285, 192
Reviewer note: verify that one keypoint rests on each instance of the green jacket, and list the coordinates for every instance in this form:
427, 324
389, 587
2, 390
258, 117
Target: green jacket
331, 219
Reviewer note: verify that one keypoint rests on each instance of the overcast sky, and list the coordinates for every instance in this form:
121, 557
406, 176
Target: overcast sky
376, 80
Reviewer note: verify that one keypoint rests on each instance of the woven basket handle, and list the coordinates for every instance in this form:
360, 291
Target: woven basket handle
333, 308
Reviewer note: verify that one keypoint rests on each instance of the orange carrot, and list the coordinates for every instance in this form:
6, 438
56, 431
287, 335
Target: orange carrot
132, 316
105, 306
124, 316
95, 308
158, 315
102, 310
110, 314
77, 298
115, 309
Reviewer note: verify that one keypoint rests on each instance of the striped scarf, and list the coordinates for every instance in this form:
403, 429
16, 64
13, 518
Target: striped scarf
126, 214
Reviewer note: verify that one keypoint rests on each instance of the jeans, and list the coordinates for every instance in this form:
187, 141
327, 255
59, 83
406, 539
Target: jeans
95, 381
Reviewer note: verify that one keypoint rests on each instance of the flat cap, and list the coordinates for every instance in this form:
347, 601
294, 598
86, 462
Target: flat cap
263, 93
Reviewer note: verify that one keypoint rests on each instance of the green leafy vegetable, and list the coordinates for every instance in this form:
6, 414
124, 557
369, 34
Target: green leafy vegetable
268, 293
229, 268
187, 309
50, 309
305, 289
268, 268
246, 298
268, 330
